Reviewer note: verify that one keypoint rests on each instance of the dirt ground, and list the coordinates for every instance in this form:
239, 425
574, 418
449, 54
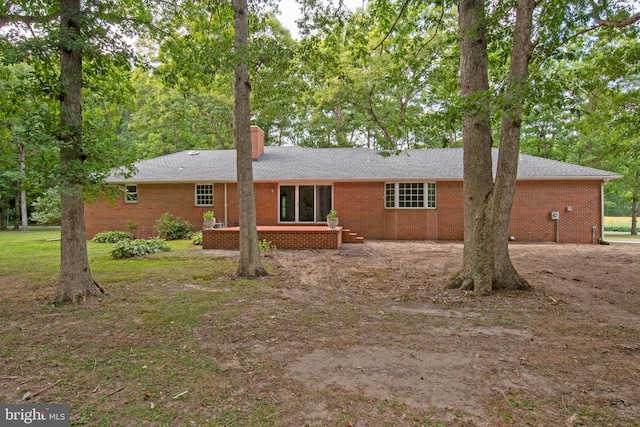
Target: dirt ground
365, 335
372, 325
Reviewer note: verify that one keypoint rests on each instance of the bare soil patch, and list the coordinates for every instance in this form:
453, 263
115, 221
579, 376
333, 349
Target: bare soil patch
366, 335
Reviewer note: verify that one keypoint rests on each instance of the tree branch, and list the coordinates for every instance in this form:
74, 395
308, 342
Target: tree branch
435, 33
404, 5
617, 24
25, 19
611, 23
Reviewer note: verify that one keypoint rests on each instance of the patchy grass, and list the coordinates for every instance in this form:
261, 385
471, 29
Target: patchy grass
131, 355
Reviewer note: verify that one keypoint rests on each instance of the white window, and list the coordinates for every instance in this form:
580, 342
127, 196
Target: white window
131, 193
410, 195
204, 194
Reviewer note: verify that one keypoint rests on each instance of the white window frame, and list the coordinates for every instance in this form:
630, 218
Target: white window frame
130, 196
392, 195
198, 195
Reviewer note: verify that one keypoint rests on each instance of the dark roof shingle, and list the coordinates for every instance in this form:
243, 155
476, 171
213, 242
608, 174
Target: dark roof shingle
339, 164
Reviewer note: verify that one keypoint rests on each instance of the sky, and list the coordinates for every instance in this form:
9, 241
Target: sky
290, 12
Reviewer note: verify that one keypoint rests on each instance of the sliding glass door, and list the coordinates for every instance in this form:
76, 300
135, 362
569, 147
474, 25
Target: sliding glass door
304, 203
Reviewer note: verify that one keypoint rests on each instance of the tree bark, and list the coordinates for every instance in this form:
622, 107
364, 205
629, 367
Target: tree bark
75, 282
249, 264
634, 204
16, 208
3, 215
487, 203
23, 190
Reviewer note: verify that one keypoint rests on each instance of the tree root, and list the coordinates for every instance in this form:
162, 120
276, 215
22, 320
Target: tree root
467, 282
99, 287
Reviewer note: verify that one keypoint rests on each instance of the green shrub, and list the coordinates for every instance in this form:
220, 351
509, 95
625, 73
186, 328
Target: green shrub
140, 247
196, 237
266, 245
112, 236
622, 228
171, 227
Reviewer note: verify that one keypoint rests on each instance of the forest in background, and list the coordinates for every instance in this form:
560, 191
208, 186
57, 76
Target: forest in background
383, 77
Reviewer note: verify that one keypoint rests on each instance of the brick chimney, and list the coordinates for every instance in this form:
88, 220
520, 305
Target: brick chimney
257, 142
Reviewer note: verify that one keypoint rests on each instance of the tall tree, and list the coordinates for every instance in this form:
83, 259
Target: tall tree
78, 30
250, 264
487, 203
486, 262
75, 281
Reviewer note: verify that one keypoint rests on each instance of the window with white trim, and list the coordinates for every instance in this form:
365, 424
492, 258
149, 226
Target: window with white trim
410, 195
204, 194
131, 193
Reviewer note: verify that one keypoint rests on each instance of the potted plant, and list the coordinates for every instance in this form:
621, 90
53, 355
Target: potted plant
209, 220
332, 219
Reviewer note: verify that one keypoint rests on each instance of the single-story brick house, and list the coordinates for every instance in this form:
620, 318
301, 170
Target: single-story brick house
416, 195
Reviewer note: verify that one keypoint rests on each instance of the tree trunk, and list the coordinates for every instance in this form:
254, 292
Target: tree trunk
250, 264
487, 204
16, 208
23, 191
634, 204
75, 282
3, 215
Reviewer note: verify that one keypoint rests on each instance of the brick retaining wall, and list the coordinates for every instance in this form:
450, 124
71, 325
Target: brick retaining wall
283, 237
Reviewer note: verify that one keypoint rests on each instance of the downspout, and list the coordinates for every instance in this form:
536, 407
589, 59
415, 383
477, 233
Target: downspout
226, 222
602, 210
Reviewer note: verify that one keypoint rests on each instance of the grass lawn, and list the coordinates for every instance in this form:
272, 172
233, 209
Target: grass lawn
131, 356
617, 223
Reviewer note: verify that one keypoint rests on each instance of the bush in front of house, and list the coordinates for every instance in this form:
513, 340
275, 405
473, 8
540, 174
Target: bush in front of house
140, 247
112, 236
196, 237
171, 227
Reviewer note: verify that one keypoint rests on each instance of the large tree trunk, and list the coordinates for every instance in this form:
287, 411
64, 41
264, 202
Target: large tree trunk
250, 264
487, 203
634, 204
23, 191
75, 282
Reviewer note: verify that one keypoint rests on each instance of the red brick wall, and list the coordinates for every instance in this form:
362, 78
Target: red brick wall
285, 238
530, 215
450, 210
361, 208
153, 201
534, 201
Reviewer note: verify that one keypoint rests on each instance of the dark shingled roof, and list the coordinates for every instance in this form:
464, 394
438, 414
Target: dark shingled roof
293, 163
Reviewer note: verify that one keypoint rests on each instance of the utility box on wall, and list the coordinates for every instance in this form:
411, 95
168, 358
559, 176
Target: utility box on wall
555, 215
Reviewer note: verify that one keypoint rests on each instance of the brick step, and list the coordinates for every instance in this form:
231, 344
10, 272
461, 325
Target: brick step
350, 237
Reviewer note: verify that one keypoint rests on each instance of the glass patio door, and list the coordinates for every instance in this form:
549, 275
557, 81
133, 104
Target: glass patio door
304, 203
